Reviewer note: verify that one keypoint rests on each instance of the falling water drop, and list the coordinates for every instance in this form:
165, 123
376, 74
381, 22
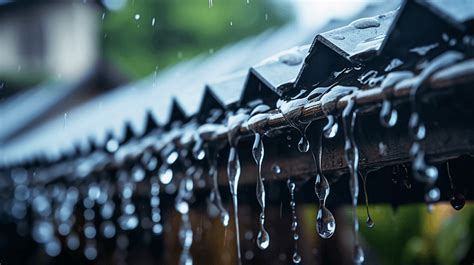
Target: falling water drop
137, 16
351, 154
294, 223
370, 222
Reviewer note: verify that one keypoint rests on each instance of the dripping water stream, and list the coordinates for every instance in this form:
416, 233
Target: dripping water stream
215, 201
421, 170
351, 154
456, 198
233, 170
263, 239
370, 222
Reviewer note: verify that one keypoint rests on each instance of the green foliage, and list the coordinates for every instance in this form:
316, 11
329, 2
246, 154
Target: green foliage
183, 29
410, 235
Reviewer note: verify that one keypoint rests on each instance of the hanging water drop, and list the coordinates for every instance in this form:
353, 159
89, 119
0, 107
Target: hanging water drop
456, 199
370, 222
325, 222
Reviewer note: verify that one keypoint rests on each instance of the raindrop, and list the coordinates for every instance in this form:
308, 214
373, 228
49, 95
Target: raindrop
296, 258
153, 22
137, 16
276, 168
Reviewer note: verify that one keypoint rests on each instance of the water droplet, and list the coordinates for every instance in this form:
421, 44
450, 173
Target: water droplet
290, 59
166, 174
358, 255
432, 195
370, 223
137, 16
325, 223
296, 258
303, 144
365, 23
263, 239
231, 23
276, 168
153, 22
457, 201
338, 37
